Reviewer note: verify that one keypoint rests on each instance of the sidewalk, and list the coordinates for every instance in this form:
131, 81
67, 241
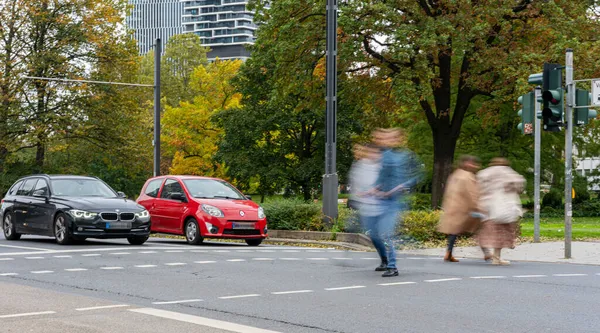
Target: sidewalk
587, 253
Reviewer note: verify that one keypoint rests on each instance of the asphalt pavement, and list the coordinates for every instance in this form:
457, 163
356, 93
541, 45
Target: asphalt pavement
111, 286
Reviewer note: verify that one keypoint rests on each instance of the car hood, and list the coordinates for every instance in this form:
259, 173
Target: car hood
94, 204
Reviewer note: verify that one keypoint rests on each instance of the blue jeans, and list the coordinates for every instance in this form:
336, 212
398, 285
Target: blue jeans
381, 230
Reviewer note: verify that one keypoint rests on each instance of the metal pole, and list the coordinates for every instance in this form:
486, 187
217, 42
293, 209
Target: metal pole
536, 166
156, 142
569, 149
330, 179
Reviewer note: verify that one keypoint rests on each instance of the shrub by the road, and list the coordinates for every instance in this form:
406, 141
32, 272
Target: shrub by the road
553, 199
293, 214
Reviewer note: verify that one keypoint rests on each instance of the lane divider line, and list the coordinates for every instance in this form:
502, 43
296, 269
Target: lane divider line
144, 266
317, 258
263, 259
144, 252
34, 258
60, 257
292, 292
27, 314
239, 296
119, 253
103, 307
530, 276
6, 259
174, 251
178, 302
41, 272
569, 274
290, 259
396, 283
344, 288
9, 274
236, 260
342, 258
205, 262
111, 268
91, 255
488, 277
444, 280
175, 264
75, 269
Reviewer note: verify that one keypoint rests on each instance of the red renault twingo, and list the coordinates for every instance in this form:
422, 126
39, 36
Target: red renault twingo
202, 207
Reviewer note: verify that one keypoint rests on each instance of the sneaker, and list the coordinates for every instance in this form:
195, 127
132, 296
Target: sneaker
383, 266
390, 272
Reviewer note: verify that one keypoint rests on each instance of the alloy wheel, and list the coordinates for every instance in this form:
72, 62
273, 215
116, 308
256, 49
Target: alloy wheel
60, 229
192, 231
8, 227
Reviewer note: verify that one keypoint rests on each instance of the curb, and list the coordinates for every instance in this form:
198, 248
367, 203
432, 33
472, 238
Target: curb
343, 245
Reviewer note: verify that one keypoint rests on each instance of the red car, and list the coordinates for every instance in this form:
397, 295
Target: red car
202, 207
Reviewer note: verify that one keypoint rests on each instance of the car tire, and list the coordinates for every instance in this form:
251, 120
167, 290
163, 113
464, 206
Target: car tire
254, 242
9, 228
62, 234
192, 232
137, 240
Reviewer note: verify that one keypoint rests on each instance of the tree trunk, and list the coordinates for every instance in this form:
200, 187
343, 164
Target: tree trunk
40, 155
306, 191
443, 157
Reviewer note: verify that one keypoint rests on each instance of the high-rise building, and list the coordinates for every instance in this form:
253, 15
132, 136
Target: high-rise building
225, 26
151, 19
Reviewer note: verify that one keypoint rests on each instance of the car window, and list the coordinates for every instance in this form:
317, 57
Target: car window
81, 188
41, 188
27, 187
153, 187
211, 188
13, 190
171, 186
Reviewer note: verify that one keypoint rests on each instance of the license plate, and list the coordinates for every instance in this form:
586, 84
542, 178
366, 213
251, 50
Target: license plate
118, 225
236, 225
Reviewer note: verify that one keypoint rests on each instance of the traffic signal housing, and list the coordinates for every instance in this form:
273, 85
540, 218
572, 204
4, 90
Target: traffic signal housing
552, 97
527, 113
582, 116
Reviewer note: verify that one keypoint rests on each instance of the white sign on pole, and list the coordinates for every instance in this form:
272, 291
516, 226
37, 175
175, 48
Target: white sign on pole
595, 92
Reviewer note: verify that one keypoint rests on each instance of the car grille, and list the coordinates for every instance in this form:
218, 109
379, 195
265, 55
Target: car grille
241, 232
127, 216
109, 216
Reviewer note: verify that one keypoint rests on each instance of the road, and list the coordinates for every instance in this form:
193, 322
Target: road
167, 285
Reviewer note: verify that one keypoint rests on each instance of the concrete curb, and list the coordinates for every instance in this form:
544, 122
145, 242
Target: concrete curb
322, 236
343, 245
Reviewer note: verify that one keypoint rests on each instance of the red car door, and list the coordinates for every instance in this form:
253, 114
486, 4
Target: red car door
171, 206
148, 199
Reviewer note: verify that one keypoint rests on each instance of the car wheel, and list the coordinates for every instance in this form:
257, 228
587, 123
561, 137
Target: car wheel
192, 232
253, 242
9, 227
137, 240
61, 230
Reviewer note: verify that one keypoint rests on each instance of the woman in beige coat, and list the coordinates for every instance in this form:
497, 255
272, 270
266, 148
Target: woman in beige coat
460, 204
499, 187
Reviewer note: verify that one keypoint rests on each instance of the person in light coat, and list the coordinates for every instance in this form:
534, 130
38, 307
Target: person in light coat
461, 203
499, 187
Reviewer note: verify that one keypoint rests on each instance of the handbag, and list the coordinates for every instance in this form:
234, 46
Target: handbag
505, 207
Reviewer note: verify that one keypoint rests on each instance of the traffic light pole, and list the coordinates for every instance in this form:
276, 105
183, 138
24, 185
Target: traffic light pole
156, 142
536, 166
569, 150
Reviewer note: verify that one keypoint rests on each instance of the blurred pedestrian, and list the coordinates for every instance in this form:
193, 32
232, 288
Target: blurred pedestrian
400, 172
461, 203
499, 187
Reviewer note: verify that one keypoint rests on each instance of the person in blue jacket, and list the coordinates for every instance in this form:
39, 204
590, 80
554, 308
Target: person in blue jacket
400, 171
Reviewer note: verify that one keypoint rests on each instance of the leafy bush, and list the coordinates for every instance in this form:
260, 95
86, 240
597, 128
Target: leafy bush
348, 221
294, 214
528, 205
581, 194
421, 225
420, 201
553, 199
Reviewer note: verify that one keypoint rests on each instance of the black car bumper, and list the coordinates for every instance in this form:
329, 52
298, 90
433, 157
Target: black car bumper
99, 230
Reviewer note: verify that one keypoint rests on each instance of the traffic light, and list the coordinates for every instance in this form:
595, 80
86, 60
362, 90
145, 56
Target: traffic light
553, 97
527, 113
583, 115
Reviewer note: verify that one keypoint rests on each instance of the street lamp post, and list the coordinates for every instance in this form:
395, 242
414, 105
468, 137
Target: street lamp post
330, 179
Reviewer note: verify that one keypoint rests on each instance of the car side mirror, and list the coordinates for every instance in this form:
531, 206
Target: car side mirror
178, 196
122, 195
41, 194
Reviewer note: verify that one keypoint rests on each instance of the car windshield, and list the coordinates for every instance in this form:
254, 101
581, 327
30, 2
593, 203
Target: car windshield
212, 189
81, 188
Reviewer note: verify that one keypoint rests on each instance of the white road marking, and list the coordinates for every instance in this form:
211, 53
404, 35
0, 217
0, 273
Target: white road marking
221, 251
290, 259
239, 296
291, 251
444, 280
41, 272
63, 256
147, 252
175, 264
569, 274
221, 325
25, 247
370, 258
488, 277
91, 255
75, 269
6, 259
174, 251
396, 283
265, 251
236, 260
597, 273
129, 248
292, 292
336, 251
27, 314
317, 258
144, 266
178, 302
344, 288
34, 258
263, 259
103, 307
415, 258
530, 276
343, 259
245, 251
111, 268
199, 251
8, 274
119, 253
205, 262
315, 251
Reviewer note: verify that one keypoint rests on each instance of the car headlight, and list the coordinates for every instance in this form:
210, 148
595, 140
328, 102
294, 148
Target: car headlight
82, 214
143, 214
212, 211
261, 213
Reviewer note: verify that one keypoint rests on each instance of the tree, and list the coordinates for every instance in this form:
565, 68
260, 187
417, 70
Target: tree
441, 55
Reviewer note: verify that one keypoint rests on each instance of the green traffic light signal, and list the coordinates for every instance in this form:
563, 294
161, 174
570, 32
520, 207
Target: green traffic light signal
583, 115
527, 113
553, 97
